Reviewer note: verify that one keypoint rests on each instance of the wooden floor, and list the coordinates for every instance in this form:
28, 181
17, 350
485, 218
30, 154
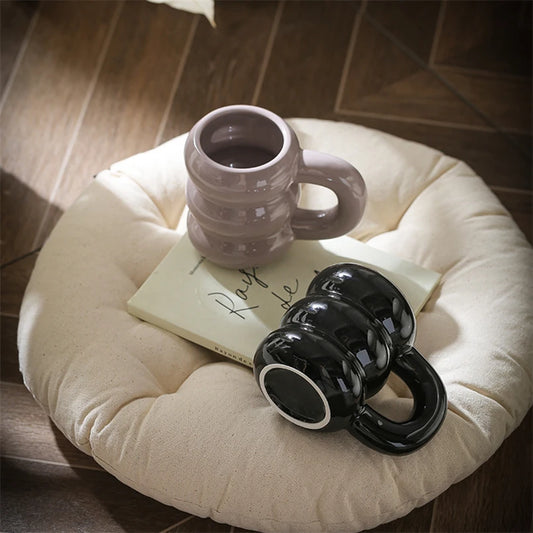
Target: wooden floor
84, 84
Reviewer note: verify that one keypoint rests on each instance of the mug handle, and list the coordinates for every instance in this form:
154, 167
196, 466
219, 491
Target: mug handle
347, 184
429, 410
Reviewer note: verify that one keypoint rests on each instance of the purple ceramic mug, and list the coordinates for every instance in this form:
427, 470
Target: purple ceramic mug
245, 166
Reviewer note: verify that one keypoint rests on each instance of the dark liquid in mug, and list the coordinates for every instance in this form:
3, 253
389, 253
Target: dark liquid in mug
242, 156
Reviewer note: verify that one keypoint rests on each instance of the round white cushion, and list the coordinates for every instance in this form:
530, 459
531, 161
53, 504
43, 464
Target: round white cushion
192, 430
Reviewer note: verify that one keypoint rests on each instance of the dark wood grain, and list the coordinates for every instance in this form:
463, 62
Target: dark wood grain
15, 23
199, 525
504, 101
14, 278
520, 205
417, 521
130, 96
497, 497
412, 23
45, 497
40, 113
240, 530
224, 64
20, 217
9, 369
28, 433
487, 36
406, 88
307, 58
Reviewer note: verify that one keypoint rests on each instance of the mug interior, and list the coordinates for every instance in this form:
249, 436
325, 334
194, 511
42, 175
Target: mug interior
241, 139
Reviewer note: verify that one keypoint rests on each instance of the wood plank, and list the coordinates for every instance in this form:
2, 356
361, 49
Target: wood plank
488, 36
14, 278
417, 521
522, 141
498, 496
196, 525
413, 23
307, 59
132, 91
28, 433
45, 497
224, 64
130, 97
41, 110
47, 96
386, 79
520, 205
505, 101
15, 21
22, 209
9, 367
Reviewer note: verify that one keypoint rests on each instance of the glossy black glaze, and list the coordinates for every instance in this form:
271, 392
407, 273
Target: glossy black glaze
321, 360
352, 329
368, 289
429, 410
360, 336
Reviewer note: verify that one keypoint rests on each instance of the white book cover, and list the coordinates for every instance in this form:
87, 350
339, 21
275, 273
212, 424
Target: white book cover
231, 311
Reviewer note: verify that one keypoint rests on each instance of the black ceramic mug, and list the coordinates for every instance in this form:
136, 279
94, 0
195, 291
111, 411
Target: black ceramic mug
336, 348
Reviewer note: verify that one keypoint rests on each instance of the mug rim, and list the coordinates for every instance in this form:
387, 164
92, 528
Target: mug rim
278, 122
308, 425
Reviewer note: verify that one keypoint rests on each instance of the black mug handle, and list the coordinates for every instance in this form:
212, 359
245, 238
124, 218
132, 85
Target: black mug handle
429, 409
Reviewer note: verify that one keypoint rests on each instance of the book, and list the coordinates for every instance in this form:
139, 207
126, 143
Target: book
232, 311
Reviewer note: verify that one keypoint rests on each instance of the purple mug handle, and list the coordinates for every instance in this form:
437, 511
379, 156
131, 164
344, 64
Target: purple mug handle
347, 184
